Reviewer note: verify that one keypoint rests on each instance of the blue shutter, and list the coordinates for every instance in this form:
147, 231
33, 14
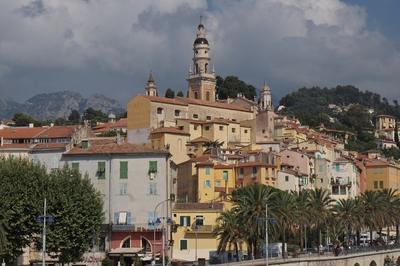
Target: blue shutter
129, 218
116, 216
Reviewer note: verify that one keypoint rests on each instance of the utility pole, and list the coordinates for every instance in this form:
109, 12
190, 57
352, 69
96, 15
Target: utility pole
44, 233
266, 234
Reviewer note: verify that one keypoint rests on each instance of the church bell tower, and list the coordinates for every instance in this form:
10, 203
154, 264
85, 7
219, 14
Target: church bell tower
151, 88
201, 77
265, 103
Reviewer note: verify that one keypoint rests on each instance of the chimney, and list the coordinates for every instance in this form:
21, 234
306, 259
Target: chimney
31, 125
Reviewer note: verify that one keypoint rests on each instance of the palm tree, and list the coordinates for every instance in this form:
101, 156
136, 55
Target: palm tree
346, 212
373, 206
286, 213
303, 220
319, 205
251, 202
211, 145
228, 231
391, 205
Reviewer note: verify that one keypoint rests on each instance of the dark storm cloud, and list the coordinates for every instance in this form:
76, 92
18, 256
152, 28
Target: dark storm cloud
109, 47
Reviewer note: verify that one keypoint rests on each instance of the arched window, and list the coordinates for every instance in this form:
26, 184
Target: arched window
373, 263
126, 243
207, 95
196, 69
196, 95
206, 68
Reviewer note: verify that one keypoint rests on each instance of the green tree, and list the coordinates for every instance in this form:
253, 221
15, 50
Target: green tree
21, 199
232, 85
229, 231
303, 220
319, 204
180, 94
77, 210
94, 116
346, 211
286, 213
21, 119
251, 202
391, 203
373, 207
74, 117
169, 93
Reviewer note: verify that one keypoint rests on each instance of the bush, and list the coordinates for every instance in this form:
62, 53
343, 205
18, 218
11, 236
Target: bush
107, 262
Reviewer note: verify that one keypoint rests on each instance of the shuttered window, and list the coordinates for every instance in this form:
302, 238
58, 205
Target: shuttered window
123, 170
75, 166
101, 170
152, 166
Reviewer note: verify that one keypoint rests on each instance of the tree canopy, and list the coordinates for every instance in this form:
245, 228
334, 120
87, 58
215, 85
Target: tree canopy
23, 120
232, 85
169, 93
94, 116
71, 199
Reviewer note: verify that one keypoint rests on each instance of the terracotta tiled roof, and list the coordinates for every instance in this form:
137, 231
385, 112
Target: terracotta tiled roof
47, 146
158, 99
201, 158
58, 132
21, 132
372, 163
170, 130
106, 146
104, 127
205, 163
224, 166
199, 206
251, 164
37, 132
214, 104
199, 140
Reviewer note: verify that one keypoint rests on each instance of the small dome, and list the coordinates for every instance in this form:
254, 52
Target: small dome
201, 41
201, 26
111, 116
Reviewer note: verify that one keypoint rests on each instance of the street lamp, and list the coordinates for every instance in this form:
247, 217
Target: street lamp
155, 222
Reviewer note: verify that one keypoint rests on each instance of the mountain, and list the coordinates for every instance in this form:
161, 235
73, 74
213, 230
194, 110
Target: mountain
50, 106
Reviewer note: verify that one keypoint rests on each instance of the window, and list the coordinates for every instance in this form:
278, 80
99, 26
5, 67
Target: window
196, 95
263, 131
195, 116
208, 170
159, 110
207, 128
245, 131
287, 178
184, 221
376, 184
380, 184
122, 217
127, 243
225, 175
75, 166
207, 183
233, 130
177, 112
123, 170
195, 127
221, 128
335, 190
152, 166
123, 188
183, 244
199, 220
152, 188
218, 183
208, 96
254, 171
101, 170
208, 117
241, 171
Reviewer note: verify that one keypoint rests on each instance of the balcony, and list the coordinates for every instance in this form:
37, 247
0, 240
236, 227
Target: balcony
123, 227
219, 189
201, 229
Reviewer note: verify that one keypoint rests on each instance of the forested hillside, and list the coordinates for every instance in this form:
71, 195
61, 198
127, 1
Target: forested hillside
342, 107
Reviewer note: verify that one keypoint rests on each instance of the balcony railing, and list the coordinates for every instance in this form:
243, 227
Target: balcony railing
201, 229
123, 227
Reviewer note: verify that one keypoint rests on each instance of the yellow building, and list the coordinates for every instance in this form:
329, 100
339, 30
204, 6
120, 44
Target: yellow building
194, 238
171, 139
382, 174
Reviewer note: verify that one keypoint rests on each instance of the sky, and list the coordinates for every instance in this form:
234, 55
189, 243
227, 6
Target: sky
109, 47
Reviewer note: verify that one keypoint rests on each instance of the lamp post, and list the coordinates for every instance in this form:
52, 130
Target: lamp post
155, 221
266, 234
44, 233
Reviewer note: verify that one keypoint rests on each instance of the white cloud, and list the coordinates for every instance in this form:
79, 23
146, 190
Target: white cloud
290, 43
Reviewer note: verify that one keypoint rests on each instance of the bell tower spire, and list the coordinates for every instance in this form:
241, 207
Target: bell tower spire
201, 78
151, 88
265, 98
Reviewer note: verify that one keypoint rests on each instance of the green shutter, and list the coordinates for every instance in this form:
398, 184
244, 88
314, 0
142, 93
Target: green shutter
101, 170
123, 170
152, 166
184, 245
75, 166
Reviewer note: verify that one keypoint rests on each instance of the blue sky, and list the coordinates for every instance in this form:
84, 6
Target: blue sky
109, 47
383, 15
